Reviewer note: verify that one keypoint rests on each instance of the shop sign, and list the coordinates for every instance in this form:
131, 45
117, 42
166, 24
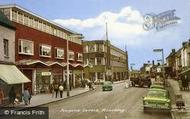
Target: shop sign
46, 73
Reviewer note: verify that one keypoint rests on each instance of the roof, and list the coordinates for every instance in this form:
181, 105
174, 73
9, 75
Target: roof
4, 21
36, 15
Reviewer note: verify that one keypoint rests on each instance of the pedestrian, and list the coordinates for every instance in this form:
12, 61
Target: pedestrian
30, 96
26, 96
52, 90
61, 90
1, 96
56, 89
12, 96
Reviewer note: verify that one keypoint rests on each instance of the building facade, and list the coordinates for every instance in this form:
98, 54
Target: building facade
171, 64
41, 50
103, 61
10, 76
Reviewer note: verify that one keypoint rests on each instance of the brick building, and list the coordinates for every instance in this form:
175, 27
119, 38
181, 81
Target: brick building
10, 75
41, 49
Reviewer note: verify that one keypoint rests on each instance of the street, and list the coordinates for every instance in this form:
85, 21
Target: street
120, 103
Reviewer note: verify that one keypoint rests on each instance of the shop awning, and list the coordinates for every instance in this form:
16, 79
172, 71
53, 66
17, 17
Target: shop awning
12, 75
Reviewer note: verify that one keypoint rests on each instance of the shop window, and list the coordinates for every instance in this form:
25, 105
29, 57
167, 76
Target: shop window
79, 57
100, 75
6, 47
71, 55
45, 50
26, 47
59, 53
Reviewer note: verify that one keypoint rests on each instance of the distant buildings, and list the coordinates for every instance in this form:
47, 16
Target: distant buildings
179, 61
103, 61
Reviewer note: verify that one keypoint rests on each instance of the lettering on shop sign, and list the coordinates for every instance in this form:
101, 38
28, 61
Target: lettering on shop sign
160, 21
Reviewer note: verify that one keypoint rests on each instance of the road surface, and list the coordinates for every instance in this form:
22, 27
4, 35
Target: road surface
120, 103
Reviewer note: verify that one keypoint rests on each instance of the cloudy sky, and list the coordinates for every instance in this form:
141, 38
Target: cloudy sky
125, 20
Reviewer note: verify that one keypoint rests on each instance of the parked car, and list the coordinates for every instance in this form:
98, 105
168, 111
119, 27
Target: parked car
141, 81
107, 86
157, 99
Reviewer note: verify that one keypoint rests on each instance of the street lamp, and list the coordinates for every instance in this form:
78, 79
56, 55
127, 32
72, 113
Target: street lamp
69, 38
163, 70
131, 65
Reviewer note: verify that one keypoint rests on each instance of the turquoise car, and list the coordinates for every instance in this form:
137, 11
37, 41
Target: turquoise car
157, 99
107, 86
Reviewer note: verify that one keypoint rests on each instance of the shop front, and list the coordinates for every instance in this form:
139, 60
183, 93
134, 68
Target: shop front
11, 76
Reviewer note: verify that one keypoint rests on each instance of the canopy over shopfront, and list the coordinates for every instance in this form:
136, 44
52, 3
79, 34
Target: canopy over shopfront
12, 75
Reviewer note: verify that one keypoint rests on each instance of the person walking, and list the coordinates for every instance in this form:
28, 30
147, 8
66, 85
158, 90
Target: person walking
1, 96
30, 95
61, 90
12, 96
26, 96
56, 89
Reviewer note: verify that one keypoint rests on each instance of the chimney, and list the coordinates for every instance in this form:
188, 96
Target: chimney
173, 50
183, 44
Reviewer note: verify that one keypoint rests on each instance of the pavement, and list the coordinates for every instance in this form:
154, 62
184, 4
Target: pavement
183, 113
41, 99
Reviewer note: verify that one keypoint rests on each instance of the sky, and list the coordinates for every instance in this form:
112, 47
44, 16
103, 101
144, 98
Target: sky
125, 21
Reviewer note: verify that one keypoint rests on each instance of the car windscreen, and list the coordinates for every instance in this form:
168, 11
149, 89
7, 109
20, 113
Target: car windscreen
157, 94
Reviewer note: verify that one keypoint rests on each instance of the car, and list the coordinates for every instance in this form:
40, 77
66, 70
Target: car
107, 86
157, 86
157, 99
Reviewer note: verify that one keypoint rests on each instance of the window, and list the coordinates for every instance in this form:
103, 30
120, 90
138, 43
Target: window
6, 47
6, 13
91, 48
40, 25
20, 18
31, 22
100, 47
99, 61
14, 16
44, 27
92, 61
26, 47
100, 75
71, 55
59, 53
79, 57
26, 20
35, 23
45, 50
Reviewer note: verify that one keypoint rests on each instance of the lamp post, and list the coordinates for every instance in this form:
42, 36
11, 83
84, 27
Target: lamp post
163, 70
68, 85
80, 36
